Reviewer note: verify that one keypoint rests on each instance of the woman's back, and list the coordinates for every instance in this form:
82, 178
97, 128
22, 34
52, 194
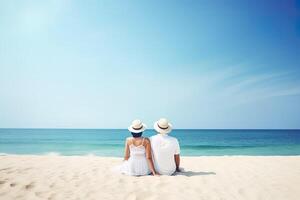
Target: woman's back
137, 149
137, 162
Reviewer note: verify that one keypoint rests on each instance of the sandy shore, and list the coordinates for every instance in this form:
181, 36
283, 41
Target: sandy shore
90, 177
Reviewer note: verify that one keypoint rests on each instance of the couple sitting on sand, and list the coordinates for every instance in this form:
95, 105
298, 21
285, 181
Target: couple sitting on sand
156, 155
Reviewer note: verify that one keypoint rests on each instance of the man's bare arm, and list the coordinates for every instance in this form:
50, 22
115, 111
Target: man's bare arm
177, 162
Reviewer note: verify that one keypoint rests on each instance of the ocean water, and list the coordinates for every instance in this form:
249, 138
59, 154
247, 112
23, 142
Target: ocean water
111, 142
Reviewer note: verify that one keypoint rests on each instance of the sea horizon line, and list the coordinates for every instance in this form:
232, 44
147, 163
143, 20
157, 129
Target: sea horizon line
209, 129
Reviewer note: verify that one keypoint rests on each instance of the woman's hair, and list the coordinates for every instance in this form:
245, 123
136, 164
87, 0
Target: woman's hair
136, 134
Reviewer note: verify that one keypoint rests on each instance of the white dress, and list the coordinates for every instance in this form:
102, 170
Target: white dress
137, 164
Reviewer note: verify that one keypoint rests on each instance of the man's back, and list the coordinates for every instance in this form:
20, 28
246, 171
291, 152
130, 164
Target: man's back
164, 148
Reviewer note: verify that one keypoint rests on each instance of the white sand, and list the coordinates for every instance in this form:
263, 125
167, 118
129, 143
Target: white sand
75, 177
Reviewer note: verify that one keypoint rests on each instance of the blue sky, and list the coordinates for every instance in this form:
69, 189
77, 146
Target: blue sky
101, 64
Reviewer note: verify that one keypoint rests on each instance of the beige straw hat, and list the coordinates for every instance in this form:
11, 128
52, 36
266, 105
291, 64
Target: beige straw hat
163, 126
137, 126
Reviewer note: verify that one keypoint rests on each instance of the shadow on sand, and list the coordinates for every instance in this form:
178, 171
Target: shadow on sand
191, 173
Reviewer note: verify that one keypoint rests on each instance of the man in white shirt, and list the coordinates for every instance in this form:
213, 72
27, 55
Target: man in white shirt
165, 149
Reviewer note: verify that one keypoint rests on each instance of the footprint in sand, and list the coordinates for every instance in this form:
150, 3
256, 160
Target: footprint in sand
52, 196
241, 191
95, 170
42, 195
3, 193
4, 169
12, 184
29, 186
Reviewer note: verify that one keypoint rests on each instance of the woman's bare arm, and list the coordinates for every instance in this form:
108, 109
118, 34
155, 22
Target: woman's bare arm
149, 157
127, 152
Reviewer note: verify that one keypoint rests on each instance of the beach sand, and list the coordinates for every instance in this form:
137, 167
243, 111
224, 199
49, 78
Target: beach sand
91, 177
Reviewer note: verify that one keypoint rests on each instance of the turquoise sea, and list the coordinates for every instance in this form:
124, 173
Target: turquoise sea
110, 142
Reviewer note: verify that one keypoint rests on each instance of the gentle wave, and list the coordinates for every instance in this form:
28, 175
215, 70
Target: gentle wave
218, 146
90, 155
48, 154
53, 154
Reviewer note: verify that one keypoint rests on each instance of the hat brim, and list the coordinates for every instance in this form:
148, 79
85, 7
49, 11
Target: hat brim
163, 131
132, 130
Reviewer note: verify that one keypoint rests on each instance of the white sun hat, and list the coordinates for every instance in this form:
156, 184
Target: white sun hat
163, 126
137, 126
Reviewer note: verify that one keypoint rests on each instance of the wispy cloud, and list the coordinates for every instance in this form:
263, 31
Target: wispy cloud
246, 86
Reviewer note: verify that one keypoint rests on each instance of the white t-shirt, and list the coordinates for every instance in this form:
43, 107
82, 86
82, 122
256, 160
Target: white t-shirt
164, 148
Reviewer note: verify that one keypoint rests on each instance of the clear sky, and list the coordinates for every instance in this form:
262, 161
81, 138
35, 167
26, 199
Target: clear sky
101, 64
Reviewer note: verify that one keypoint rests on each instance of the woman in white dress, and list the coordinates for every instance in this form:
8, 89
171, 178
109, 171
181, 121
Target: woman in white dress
138, 158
